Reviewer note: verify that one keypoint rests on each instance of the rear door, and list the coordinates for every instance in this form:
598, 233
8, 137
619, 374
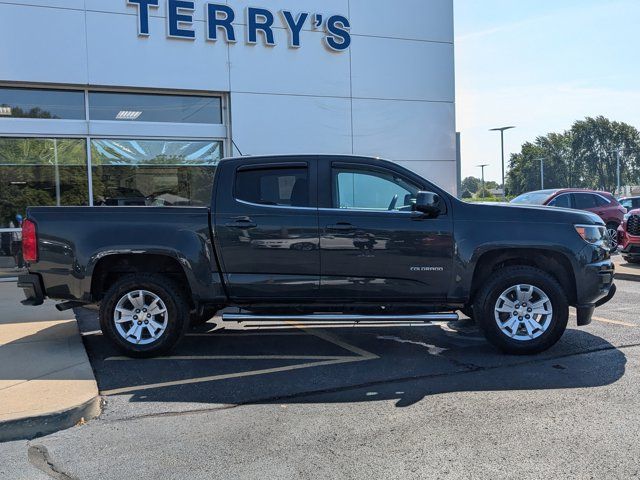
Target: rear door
373, 247
266, 228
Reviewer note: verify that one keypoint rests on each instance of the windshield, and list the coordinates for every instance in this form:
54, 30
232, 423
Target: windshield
532, 198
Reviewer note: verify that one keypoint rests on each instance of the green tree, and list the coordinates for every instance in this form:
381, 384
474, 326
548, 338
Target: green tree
582, 157
595, 144
471, 184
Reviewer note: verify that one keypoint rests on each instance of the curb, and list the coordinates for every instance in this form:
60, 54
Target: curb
32, 427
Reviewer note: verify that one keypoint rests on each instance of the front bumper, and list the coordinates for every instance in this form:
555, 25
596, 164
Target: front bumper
33, 289
594, 282
629, 244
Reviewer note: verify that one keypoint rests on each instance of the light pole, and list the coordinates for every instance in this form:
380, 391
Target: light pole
618, 158
482, 167
541, 160
502, 130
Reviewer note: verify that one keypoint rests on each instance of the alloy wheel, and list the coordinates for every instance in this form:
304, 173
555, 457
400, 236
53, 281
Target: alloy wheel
523, 312
612, 233
140, 317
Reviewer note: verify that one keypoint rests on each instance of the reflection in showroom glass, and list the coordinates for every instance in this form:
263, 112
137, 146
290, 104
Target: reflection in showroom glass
41, 172
153, 172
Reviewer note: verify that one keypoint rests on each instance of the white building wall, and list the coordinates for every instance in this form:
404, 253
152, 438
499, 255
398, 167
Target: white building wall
391, 94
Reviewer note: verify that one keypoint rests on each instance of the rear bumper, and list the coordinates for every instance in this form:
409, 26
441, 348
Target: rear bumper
33, 290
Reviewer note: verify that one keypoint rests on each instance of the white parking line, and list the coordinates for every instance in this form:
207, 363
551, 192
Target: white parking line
213, 378
361, 356
235, 357
613, 322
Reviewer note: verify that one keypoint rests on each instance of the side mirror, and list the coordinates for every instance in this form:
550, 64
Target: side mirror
428, 203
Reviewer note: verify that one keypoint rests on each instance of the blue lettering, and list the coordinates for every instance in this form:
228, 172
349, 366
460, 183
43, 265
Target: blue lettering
339, 38
214, 22
177, 19
143, 14
295, 27
259, 19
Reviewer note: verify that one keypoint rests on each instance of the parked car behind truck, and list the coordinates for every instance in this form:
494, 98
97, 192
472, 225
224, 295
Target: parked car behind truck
602, 204
382, 241
629, 237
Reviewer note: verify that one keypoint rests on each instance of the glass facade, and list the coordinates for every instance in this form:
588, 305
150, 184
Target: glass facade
43, 172
154, 108
127, 167
42, 104
153, 172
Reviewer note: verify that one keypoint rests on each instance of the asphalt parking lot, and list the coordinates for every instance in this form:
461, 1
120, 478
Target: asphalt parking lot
359, 403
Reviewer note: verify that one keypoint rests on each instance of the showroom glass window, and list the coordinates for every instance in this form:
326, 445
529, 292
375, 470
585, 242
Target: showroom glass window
134, 107
41, 172
42, 104
147, 149
134, 172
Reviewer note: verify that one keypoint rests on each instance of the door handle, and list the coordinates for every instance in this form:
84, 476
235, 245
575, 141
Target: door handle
341, 227
242, 222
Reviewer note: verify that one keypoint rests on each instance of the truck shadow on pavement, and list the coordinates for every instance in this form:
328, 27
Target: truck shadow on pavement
215, 369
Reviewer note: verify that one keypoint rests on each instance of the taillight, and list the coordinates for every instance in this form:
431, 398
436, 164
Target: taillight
29, 241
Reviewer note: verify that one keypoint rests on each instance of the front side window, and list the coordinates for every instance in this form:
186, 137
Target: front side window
144, 107
288, 187
562, 201
356, 189
42, 104
153, 172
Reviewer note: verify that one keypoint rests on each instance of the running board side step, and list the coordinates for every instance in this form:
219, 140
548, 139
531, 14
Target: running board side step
250, 321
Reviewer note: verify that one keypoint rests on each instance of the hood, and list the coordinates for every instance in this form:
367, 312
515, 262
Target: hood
529, 213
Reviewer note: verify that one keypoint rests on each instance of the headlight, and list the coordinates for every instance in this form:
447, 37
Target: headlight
626, 217
592, 233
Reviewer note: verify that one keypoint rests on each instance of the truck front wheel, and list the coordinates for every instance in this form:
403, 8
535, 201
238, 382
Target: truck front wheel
522, 310
144, 315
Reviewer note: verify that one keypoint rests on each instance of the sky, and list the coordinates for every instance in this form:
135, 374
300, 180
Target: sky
540, 65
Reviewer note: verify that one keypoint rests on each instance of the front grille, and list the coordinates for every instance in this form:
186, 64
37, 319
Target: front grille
633, 225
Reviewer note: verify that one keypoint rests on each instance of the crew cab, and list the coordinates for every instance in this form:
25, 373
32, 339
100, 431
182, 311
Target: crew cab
320, 237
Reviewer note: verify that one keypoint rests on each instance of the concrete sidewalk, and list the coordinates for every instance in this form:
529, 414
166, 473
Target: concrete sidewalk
626, 271
46, 381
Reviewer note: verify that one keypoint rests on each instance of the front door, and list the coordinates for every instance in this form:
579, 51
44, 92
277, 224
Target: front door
373, 246
266, 229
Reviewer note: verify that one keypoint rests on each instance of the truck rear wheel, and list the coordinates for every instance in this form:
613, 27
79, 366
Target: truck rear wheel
144, 315
522, 310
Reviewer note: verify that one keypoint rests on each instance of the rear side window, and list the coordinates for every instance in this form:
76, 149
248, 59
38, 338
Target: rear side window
287, 187
601, 201
584, 201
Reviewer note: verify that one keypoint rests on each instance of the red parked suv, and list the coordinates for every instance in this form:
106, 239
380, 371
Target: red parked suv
602, 204
629, 236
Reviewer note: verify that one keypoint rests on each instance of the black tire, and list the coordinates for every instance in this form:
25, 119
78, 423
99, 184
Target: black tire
485, 304
176, 307
631, 259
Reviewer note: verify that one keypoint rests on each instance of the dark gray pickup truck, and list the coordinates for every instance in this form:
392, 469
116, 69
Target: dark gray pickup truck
321, 238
